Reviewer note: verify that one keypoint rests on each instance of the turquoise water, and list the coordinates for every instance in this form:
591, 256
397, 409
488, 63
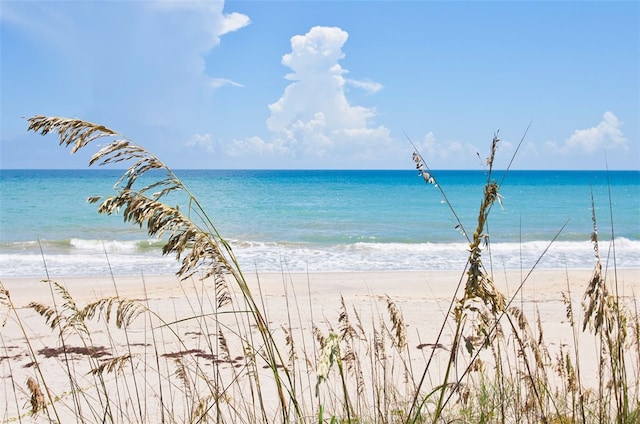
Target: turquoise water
324, 220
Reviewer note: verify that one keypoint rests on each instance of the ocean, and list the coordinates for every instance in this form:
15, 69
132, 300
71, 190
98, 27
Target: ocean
295, 220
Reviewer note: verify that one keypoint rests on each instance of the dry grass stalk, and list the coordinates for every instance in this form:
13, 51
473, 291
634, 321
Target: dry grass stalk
329, 355
37, 397
126, 310
479, 284
75, 132
596, 294
182, 374
290, 344
116, 364
199, 250
608, 318
347, 331
398, 327
5, 300
200, 412
65, 319
202, 251
198, 245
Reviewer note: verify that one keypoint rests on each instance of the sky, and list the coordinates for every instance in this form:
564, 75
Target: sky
327, 84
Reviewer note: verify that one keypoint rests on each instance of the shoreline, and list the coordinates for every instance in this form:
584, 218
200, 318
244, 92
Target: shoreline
84, 257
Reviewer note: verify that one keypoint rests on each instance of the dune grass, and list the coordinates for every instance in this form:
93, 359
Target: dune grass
124, 360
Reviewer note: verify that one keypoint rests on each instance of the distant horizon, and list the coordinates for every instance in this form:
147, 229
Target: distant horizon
328, 169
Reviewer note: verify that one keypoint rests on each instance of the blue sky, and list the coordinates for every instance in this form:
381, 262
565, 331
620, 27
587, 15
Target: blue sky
327, 84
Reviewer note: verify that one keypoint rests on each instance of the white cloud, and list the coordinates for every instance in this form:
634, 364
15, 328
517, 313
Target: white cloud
606, 134
458, 154
551, 146
447, 153
221, 82
368, 86
529, 150
137, 60
177, 37
254, 146
233, 22
313, 118
208, 17
201, 141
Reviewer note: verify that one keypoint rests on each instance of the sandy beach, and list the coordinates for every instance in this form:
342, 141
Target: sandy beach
294, 305
543, 284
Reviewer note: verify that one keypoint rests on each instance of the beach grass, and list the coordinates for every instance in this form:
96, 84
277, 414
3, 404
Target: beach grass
222, 345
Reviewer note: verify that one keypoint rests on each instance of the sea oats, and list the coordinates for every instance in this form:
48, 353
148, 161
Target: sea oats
329, 355
347, 331
37, 397
5, 300
190, 234
398, 328
596, 293
116, 364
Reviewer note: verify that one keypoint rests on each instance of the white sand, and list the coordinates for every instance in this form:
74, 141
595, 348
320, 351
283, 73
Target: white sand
291, 301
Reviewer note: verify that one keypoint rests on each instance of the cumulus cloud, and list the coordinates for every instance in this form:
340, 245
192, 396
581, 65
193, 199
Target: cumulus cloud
233, 22
461, 154
607, 134
208, 17
255, 146
313, 118
202, 141
135, 61
439, 154
173, 39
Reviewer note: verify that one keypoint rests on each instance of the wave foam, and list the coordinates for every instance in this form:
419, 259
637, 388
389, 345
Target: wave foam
82, 257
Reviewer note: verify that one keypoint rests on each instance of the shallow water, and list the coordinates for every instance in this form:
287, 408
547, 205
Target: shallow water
326, 220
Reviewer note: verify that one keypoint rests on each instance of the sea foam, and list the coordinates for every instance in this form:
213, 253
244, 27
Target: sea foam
95, 257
